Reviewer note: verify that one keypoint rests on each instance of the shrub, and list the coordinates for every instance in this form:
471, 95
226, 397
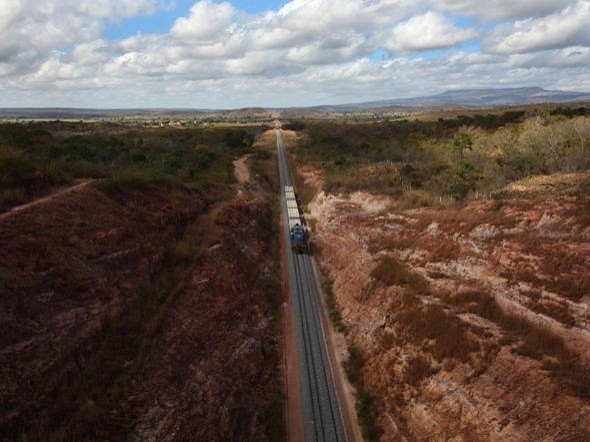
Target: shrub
11, 197
85, 169
364, 402
134, 180
417, 369
354, 365
390, 271
445, 330
16, 170
333, 311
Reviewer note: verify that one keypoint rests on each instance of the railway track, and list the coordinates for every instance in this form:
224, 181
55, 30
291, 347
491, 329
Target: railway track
321, 412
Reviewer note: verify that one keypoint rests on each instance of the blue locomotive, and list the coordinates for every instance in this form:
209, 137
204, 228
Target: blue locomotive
299, 239
298, 232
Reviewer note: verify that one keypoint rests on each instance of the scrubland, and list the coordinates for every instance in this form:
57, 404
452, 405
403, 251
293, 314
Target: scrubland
457, 253
145, 304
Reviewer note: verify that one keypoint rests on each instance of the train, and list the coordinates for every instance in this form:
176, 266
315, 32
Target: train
298, 231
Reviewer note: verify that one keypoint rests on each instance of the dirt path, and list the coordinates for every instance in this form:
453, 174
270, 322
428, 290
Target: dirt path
241, 169
45, 199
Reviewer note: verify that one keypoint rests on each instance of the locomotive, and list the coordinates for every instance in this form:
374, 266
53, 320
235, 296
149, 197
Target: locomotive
298, 231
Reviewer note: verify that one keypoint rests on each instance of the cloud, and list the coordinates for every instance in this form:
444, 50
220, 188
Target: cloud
323, 16
31, 30
569, 27
502, 9
425, 32
207, 20
318, 51
572, 57
336, 48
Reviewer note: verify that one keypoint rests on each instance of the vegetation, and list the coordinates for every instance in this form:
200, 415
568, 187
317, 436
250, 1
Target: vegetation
333, 311
364, 399
35, 158
390, 271
427, 162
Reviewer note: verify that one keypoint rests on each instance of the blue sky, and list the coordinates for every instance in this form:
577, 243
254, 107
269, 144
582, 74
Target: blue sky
163, 20
230, 54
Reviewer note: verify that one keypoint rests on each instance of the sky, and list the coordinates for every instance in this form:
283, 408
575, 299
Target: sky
213, 54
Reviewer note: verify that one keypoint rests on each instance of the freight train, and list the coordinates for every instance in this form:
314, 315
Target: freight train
298, 231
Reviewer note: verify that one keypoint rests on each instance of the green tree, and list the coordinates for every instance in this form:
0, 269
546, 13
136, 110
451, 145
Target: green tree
465, 180
462, 142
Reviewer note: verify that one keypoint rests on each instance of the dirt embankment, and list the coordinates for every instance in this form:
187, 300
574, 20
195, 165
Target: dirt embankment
70, 267
75, 269
210, 373
473, 323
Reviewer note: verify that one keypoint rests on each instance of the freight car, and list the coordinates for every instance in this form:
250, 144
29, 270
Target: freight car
298, 231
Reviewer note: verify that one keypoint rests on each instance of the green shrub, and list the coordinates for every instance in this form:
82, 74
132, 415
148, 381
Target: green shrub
16, 170
354, 365
133, 180
364, 402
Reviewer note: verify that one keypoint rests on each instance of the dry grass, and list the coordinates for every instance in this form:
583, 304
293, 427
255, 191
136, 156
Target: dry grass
445, 250
572, 286
418, 368
531, 341
556, 310
438, 331
390, 271
480, 303
389, 243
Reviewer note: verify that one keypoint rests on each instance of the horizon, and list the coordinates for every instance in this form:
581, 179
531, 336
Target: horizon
160, 54
213, 110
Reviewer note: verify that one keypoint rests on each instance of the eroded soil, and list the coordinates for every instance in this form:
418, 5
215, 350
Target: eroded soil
76, 268
473, 322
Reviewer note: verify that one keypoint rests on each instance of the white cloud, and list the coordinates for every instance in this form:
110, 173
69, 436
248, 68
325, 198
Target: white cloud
320, 51
574, 57
265, 63
207, 20
321, 16
503, 9
569, 27
336, 48
31, 30
425, 32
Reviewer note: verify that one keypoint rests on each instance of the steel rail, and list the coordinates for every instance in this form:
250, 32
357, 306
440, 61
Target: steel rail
321, 411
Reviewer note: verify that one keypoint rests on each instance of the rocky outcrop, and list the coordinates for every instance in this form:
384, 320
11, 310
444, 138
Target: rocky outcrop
473, 322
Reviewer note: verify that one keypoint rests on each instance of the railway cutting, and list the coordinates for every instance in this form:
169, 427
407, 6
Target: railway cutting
322, 418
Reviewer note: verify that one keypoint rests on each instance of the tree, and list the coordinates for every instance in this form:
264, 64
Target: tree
465, 180
461, 142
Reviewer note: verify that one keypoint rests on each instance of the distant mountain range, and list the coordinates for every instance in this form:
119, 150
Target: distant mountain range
452, 98
470, 97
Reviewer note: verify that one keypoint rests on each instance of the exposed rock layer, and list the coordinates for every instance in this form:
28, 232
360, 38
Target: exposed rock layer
473, 322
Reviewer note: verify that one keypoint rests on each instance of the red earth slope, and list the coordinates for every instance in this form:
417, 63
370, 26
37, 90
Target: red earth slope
473, 322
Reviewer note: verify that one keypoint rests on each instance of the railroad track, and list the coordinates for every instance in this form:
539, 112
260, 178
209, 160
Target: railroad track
321, 412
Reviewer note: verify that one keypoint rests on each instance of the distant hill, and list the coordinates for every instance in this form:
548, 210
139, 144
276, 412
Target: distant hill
471, 97
74, 113
452, 98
